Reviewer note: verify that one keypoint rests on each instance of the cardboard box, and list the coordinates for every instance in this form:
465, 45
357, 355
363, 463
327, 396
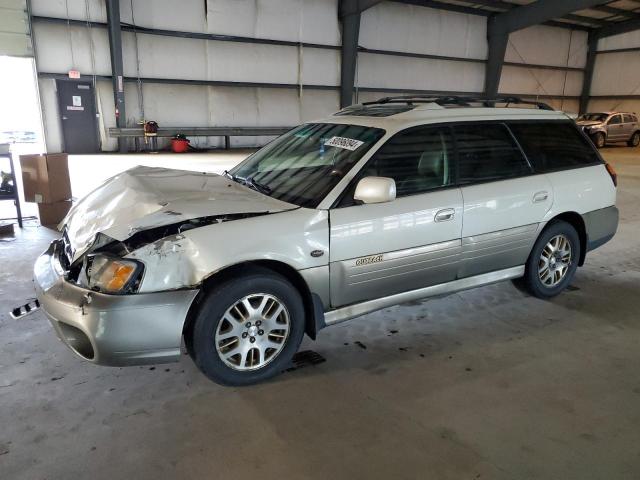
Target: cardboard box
51, 214
45, 178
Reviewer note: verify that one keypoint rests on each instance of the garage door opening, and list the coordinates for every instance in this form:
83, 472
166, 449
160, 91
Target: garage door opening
20, 122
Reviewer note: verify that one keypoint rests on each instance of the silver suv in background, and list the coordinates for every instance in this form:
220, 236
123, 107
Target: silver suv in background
609, 127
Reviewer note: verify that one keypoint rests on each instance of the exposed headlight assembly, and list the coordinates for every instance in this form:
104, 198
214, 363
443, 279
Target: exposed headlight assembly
113, 275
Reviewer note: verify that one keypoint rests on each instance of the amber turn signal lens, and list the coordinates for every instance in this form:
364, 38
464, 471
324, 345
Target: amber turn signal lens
120, 277
612, 173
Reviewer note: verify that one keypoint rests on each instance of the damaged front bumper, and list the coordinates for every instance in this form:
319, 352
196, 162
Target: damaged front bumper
106, 329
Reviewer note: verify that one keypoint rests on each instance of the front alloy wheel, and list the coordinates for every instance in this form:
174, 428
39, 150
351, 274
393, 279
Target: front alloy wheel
247, 328
252, 332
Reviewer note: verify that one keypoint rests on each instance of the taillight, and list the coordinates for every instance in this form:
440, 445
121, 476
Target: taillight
612, 173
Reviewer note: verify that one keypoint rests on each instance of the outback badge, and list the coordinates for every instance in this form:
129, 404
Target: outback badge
368, 260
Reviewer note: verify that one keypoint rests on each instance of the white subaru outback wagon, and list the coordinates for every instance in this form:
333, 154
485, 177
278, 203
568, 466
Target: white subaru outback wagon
381, 203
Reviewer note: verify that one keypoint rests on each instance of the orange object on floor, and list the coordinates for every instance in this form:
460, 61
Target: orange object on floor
179, 145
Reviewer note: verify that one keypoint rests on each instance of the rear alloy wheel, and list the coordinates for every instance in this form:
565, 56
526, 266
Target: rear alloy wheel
248, 328
553, 260
599, 140
634, 141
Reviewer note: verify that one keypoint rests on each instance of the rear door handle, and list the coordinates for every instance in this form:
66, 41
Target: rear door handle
540, 196
445, 215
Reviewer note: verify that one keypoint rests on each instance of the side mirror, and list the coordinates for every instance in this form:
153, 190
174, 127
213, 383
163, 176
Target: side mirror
375, 190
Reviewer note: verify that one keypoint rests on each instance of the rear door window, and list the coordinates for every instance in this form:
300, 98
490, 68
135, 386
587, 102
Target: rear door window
488, 152
628, 118
553, 146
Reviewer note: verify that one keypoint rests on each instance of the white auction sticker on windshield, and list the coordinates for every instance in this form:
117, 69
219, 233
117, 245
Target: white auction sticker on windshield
343, 142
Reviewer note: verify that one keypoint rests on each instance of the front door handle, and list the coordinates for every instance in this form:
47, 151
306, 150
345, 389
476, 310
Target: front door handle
445, 215
540, 196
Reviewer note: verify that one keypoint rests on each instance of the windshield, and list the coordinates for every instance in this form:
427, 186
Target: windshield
593, 117
303, 165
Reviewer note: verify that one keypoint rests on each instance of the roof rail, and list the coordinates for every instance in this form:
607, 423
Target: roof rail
460, 101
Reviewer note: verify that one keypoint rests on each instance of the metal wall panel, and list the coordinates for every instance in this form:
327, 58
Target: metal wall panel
50, 119
616, 74
383, 71
564, 104
543, 45
611, 104
15, 39
312, 21
77, 9
200, 106
408, 28
60, 48
523, 80
626, 40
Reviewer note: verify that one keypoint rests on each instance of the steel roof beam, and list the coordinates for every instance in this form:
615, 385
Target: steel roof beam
506, 6
454, 7
537, 13
618, 28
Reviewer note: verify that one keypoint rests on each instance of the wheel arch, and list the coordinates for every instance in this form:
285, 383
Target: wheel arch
577, 222
314, 313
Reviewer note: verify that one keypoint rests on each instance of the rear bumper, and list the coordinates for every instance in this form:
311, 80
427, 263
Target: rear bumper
601, 226
112, 330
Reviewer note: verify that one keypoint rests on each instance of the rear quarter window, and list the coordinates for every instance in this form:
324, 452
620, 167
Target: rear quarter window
553, 146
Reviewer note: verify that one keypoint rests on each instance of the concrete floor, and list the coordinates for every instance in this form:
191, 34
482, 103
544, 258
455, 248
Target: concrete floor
488, 384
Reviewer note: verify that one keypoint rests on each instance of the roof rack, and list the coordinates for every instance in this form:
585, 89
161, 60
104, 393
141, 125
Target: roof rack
459, 101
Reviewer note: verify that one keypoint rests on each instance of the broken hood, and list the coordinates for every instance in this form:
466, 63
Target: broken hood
145, 197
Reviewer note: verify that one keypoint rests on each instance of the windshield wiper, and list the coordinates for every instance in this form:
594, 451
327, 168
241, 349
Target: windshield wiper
266, 190
250, 182
229, 175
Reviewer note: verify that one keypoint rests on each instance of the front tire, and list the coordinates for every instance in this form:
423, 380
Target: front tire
634, 141
553, 260
248, 329
599, 140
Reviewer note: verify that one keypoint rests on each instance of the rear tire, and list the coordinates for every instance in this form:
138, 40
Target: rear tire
634, 141
599, 140
248, 329
553, 260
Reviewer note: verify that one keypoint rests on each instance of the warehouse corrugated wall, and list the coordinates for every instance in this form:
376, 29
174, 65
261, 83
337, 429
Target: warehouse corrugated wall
62, 47
15, 39
451, 49
617, 73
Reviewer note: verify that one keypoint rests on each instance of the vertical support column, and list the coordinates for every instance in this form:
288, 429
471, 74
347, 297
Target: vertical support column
498, 39
349, 53
117, 70
587, 76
